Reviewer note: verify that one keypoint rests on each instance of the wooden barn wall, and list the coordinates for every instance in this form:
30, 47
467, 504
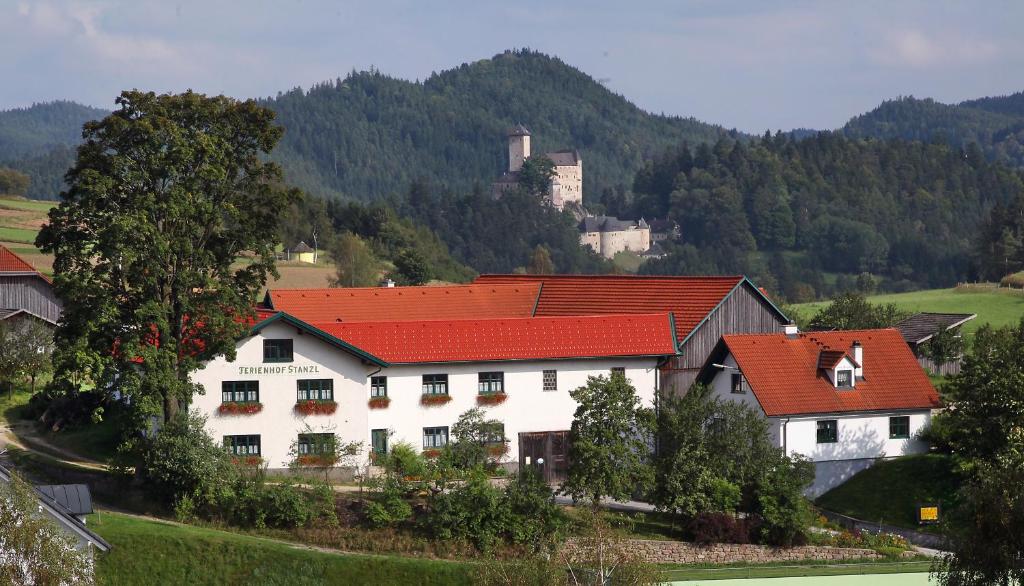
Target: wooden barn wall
32, 294
743, 312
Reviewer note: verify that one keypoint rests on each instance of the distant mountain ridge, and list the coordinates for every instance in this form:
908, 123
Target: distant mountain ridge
996, 124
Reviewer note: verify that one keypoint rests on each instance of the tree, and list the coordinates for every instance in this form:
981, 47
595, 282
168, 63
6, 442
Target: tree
322, 451
12, 356
609, 441
412, 267
535, 175
473, 438
13, 182
36, 338
780, 501
540, 262
852, 311
355, 263
33, 550
944, 346
167, 193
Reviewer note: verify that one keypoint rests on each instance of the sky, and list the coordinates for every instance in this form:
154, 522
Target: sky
752, 65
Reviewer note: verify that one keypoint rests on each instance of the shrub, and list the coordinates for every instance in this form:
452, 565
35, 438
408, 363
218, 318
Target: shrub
474, 511
404, 461
723, 495
534, 518
285, 506
718, 528
391, 507
781, 504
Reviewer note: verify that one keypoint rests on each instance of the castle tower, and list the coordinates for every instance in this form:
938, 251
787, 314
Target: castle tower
518, 147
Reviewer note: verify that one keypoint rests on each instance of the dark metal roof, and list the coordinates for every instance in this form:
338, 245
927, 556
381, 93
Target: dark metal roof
518, 130
605, 224
566, 158
919, 328
62, 515
73, 497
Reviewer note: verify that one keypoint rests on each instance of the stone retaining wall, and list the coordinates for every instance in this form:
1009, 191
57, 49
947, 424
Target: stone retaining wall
681, 552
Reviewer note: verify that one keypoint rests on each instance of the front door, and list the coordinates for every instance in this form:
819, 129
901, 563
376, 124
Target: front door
547, 452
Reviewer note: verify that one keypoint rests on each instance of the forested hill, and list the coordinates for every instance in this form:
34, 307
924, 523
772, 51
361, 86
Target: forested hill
996, 124
39, 141
806, 217
371, 135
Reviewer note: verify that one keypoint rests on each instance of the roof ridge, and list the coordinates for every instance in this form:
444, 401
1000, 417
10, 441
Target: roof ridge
605, 316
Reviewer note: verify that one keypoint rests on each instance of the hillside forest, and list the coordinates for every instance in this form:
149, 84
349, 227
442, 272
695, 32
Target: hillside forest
911, 195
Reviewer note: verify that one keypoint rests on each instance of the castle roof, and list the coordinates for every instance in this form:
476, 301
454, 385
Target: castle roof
508, 177
606, 224
518, 130
566, 158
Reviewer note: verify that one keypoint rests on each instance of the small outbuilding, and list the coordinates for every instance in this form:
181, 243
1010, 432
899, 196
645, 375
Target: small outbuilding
302, 252
920, 328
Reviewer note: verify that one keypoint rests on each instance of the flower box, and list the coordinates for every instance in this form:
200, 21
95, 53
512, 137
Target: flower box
316, 407
491, 398
314, 460
379, 402
432, 400
497, 450
431, 453
251, 461
239, 408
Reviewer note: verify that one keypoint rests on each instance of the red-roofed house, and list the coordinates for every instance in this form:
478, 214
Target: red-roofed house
25, 291
705, 308
380, 382
843, 399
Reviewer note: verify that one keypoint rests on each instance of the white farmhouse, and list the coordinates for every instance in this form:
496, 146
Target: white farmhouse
379, 382
843, 399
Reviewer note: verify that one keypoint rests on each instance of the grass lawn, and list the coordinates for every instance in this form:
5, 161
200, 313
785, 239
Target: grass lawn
996, 306
12, 406
21, 235
151, 552
791, 569
890, 491
28, 205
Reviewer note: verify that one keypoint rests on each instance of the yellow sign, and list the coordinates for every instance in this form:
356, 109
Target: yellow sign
928, 514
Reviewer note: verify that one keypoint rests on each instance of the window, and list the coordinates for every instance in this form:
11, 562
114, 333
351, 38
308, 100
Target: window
435, 384
491, 382
495, 433
899, 427
435, 437
844, 379
619, 370
277, 350
315, 443
240, 391
242, 445
379, 441
320, 389
737, 383
550, 380
828, 431
378, 386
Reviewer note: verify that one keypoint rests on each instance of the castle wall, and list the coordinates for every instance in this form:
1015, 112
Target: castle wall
608, 244
569, 178
518, 151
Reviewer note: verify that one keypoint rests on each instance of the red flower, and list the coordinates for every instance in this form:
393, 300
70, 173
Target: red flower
240, 408
431, 453
314, 460
491, 398
431, 400
248, 461
316, 407
379, 402
498, 450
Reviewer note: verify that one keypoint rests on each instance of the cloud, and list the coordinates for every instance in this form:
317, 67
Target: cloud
913, 48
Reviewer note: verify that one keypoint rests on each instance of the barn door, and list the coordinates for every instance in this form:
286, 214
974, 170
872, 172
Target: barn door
546, 452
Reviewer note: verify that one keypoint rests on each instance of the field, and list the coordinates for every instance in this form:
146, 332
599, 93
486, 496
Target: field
994, 305
150, 552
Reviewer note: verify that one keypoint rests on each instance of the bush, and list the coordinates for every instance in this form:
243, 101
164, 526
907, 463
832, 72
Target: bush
285, 506
723, 495
781, 504
404, 461
474, 511
391, 507
722, 528
183, 460
534, 518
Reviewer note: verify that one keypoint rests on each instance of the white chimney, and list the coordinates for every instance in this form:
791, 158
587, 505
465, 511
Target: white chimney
792, 331
858, 357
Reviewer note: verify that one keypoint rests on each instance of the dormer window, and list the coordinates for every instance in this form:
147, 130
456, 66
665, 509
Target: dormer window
844, 379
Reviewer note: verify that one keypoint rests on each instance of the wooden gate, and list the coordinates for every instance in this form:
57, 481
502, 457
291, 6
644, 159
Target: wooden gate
546, 452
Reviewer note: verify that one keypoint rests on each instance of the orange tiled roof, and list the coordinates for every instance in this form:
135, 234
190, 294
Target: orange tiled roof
785, 377
538, 338
690, 299
406, 303
12, 263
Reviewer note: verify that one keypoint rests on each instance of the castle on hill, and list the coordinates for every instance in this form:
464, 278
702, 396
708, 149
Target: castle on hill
606, 235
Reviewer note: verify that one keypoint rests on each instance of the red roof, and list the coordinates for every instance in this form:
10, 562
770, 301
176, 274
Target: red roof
690, 299
406, 303
785, 377
510, 338
12, 263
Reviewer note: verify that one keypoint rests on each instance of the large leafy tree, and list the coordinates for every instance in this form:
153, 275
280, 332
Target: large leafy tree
609, 440
852, 311
163, 240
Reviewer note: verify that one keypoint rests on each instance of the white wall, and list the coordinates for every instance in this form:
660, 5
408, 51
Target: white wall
278, 425
528, 407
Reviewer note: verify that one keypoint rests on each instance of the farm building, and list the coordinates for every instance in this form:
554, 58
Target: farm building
921, 328
843, 399
24, 291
